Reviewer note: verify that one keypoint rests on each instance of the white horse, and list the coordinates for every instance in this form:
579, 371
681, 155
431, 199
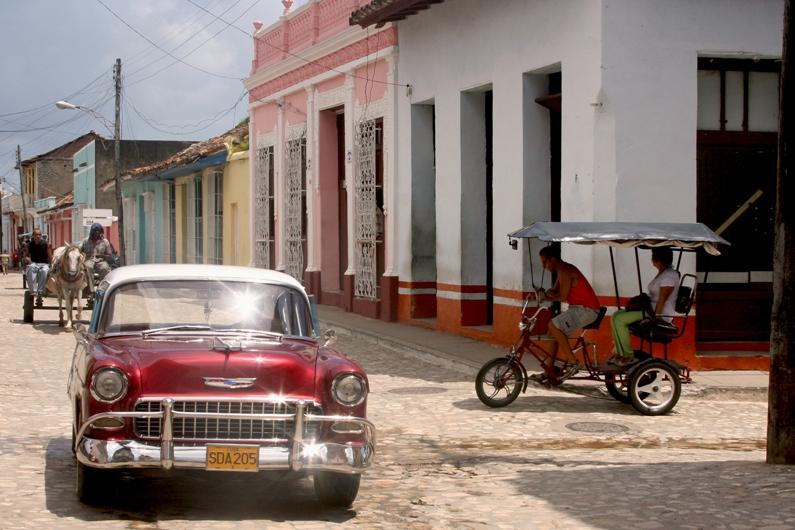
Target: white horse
68, 276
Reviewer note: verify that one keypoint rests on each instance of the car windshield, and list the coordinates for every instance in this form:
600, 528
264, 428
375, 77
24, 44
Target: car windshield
200, 306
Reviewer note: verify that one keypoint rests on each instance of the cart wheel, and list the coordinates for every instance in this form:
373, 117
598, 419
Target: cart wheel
618, 390
499, 382
654, 388
27, 308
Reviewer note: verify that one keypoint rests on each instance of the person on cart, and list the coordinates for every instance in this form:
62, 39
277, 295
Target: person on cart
37, 265
573, 288
659, 303
98, 251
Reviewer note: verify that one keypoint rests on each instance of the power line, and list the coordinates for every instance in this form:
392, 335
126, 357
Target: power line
147, 51
150, 41
228, 24
178, 46
42, 128
218, 17
46, 105
220, 115
79, 117
52, 109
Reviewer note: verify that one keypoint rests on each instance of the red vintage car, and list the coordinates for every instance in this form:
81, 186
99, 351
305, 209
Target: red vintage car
214, 368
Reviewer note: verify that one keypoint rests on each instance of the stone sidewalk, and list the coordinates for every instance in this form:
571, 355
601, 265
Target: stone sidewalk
469, 354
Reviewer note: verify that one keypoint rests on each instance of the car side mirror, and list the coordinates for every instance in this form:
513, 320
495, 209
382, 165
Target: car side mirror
329, 337
80, 332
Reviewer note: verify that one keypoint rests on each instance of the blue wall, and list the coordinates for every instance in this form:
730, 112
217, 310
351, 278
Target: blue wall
85, 176
143, 222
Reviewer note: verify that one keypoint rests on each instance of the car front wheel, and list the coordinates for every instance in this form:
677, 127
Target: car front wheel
91, 484
336, 489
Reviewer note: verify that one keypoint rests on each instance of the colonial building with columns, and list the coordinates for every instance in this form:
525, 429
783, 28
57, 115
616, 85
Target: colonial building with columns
584, 110
322, 97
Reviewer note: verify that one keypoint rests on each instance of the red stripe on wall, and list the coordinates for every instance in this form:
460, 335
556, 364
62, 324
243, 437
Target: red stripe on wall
417, 285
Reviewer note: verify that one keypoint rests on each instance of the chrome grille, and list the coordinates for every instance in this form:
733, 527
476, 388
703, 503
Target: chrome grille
210, 429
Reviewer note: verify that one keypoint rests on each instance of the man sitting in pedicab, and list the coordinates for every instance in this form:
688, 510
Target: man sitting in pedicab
659, 303
573, 288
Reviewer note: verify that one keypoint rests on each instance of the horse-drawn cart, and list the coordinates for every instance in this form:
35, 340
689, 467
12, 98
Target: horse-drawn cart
29, 307
66, 282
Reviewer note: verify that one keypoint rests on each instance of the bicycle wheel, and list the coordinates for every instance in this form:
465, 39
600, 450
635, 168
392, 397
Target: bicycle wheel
499, 382
654, 388
618, 391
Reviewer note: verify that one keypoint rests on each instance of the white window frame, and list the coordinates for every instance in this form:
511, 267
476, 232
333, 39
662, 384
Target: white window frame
130, 206
195, 227
150, 252
215, 218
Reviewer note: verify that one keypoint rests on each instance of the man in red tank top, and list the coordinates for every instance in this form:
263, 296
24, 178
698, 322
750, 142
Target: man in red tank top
571, 287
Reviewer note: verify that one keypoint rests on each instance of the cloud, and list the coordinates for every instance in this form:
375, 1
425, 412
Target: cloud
52, 49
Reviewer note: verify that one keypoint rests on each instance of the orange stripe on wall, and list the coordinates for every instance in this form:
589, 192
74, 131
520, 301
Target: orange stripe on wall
510, 293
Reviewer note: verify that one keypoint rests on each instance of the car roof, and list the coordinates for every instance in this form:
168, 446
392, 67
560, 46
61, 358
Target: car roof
133, 273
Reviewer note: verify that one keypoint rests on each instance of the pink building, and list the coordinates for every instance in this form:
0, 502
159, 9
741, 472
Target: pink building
322, 96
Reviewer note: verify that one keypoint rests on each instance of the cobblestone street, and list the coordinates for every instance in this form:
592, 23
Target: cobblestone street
443, 461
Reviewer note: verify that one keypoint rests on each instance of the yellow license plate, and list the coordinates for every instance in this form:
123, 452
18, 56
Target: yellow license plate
232, 457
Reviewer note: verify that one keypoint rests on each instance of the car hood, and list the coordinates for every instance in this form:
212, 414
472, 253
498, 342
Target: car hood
171, 366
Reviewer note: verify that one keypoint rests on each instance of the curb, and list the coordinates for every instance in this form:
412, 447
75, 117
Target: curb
423, 353
465, 366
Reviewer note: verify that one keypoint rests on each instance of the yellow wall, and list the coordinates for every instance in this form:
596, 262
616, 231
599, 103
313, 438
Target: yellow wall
236, 192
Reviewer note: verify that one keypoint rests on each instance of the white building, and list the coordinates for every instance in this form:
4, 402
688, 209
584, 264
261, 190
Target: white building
528, 110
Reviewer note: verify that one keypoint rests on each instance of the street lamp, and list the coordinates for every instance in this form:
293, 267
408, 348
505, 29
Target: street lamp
65, 105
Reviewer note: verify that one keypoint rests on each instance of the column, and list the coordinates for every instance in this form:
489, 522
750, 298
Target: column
278, 182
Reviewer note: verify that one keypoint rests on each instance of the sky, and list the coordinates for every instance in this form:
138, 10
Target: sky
65, 49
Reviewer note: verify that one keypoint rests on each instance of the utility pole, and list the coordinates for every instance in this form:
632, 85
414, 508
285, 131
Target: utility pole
117, 160
781, 397
22, 185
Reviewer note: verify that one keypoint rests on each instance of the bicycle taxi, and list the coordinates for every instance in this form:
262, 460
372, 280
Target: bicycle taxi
652, 384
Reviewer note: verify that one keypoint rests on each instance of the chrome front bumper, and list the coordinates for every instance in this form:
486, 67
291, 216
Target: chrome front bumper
297, 454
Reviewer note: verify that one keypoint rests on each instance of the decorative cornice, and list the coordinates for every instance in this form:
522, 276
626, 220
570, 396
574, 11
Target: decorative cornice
265, 73
336, 59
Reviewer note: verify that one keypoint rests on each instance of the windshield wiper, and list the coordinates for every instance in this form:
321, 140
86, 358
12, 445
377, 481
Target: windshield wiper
252, 332
182, 327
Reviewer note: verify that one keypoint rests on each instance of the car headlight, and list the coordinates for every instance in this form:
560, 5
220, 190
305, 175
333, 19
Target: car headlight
349, 389
108, 385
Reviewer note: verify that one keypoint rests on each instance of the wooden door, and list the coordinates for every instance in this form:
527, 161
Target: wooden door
735, 302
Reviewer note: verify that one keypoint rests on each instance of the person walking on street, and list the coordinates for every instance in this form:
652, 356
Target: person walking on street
97, 251
37, 265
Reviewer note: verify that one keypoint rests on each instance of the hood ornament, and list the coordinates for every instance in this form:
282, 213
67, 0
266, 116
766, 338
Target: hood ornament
224, 382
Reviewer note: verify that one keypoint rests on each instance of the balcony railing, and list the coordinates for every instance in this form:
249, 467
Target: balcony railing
312, 23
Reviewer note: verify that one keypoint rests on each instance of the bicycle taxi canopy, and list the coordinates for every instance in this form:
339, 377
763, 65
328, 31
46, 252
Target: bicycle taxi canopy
625, 234
685, 236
